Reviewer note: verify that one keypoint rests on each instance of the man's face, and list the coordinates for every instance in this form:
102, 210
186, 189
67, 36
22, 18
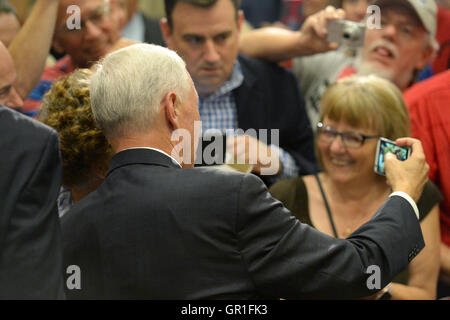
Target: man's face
397, 49
97, 35
9, 27
208, 41
8, 95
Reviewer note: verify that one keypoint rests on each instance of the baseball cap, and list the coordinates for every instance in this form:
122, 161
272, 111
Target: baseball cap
426, 10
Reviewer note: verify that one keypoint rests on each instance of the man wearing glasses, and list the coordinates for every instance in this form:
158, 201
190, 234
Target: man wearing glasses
97, 34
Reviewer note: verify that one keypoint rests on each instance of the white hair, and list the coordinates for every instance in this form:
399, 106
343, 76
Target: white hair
129, 85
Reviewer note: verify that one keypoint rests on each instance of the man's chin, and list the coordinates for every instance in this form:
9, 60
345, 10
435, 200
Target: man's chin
208, 86
374, 67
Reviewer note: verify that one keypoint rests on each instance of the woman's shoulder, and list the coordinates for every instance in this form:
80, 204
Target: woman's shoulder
287, 189
431, 196
293, 193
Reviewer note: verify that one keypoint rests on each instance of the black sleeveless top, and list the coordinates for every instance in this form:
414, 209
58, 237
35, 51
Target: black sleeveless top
294, 195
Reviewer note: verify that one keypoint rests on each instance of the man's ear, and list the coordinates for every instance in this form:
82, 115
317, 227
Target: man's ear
170, 105
426, 57
166, 31
241, 20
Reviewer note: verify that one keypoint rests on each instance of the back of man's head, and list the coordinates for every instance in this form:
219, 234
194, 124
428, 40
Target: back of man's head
170, 6
129, 85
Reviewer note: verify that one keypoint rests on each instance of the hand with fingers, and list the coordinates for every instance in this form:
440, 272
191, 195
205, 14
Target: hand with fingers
313, 34
249, 150
410, 175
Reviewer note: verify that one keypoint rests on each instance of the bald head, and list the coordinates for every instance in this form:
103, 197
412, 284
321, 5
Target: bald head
8, 95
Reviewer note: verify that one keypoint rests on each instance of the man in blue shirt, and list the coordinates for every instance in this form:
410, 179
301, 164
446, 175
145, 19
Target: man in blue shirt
238, 92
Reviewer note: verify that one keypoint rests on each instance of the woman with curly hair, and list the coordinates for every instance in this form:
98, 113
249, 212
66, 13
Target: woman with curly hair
85, 151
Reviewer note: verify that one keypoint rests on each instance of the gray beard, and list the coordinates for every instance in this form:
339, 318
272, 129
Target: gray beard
365, 68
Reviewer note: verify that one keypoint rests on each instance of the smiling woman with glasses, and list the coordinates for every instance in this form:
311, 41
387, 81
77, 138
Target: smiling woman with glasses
350, 139
355, 112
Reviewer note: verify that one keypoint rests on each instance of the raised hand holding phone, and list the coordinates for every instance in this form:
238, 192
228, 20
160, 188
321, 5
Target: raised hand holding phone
385, 146
410, 175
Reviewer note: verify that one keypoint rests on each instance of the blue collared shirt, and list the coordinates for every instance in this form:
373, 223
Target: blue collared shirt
135, 29
218, 111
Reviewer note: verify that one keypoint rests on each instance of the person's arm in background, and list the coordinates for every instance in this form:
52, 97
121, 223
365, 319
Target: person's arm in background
31, 46
278, 45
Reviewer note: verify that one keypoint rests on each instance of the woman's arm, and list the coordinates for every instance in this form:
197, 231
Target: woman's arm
445, 263
424, 269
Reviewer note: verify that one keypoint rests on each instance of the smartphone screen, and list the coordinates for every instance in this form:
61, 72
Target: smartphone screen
384, 146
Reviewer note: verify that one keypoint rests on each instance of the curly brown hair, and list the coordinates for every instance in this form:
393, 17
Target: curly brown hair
67, 109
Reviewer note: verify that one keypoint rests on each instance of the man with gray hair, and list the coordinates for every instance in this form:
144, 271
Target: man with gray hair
397, 49
157, 228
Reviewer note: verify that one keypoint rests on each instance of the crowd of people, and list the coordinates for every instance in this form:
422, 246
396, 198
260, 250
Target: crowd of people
102, 124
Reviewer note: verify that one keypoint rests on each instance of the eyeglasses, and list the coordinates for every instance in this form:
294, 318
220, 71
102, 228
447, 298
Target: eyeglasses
406, 30
96, 17
350, 139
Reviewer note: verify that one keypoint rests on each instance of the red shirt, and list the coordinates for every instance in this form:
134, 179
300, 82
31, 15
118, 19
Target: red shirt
429, 106
442, 60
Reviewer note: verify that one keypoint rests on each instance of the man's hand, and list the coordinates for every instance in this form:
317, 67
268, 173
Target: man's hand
410, 175
279, 45
313, 34
248, 150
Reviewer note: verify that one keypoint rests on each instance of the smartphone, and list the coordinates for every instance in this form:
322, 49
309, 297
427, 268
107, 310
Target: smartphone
384, 146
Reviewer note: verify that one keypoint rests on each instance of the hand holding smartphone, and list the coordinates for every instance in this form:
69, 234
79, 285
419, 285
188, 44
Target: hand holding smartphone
384, 146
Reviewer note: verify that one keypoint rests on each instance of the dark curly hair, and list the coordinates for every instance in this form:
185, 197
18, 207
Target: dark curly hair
67, 109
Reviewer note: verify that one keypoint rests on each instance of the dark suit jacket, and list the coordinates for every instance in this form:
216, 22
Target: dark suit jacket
30, 239
153, 33
269, 99
155, 231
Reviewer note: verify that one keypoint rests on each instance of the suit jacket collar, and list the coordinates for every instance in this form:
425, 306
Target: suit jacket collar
141, 156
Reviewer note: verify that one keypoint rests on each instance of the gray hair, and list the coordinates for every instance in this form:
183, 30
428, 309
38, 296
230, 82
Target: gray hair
129, 85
